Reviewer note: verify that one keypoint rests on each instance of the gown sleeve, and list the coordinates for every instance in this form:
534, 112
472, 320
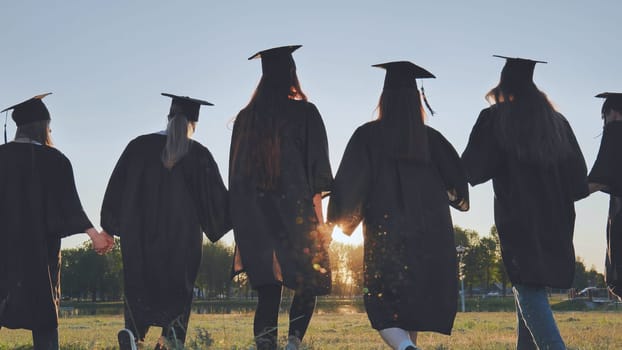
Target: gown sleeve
212, 199
113, 198
575, 169
482, 156
607, 169
351, 186
68, 216
319, 172
452, 172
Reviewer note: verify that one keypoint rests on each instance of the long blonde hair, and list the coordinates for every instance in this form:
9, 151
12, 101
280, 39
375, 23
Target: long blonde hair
178, 133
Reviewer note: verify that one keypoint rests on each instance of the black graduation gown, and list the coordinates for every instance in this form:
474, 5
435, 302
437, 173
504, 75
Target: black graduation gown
410, 271
534, 205
276, 231
607, 170
39, 205
160, 215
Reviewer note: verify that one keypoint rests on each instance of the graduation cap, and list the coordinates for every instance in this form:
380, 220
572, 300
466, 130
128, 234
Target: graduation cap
404, 74
518, 69
613, 100
277, 59
189, 106
610, 95
29, 111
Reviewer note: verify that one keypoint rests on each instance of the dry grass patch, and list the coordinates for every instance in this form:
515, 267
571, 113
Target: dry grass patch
483, 331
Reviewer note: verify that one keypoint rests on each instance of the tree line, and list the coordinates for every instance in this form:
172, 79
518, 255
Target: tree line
90, 277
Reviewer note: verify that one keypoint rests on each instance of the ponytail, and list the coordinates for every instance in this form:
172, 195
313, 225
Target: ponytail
178, 133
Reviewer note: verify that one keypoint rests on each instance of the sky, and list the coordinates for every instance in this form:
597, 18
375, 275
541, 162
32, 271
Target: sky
108, 61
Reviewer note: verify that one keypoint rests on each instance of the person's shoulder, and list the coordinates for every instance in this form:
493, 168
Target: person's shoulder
147, 138
562, 119
54, 154
487, 115
369, 126
367, 130
308, 108
199, 148
490, 111
431, 131
145, 141
435, 136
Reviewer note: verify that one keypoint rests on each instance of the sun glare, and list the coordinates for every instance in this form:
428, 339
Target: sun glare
355, 239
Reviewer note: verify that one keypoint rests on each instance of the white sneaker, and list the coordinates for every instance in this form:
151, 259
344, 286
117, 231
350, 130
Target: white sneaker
126, 340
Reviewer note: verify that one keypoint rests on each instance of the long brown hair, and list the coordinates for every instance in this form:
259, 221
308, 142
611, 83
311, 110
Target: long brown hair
528, 125
38, 131
258, 127
403, 118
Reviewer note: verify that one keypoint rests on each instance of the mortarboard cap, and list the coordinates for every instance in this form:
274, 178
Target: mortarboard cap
29, 111
277, 59
610, 95
518, 69
277, 65
613, 100
402, 74
189, 106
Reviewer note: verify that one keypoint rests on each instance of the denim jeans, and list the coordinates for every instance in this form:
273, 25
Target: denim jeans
537, 329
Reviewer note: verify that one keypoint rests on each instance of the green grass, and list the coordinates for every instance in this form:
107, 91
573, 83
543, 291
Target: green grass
595, 330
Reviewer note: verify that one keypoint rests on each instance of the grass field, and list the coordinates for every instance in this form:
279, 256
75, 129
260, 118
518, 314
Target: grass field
473, 330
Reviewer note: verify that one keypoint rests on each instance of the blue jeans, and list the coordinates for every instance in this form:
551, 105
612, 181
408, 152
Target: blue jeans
537, 329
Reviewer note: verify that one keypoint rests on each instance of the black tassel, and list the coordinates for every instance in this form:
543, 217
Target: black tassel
5, 117
425, 100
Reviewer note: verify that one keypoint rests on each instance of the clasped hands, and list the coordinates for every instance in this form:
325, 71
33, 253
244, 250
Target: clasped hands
102, 241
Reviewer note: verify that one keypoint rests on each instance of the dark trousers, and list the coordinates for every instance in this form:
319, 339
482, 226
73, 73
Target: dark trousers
267, 313
45, 339
176, 330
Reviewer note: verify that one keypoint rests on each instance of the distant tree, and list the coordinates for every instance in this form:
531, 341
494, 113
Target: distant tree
70, 280
355, 266
500, 273
596, 278
580, 275
584, 278
214, 276
465, 237
481, 259
346, 262
85, 274
488, 259
112, 281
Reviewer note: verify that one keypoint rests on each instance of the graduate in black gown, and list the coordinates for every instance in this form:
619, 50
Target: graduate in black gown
399, 177
529, 151
39, 205
279, 169
606, 176
164, 194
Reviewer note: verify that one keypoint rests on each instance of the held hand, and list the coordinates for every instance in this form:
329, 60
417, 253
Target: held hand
109, 240
100, 243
